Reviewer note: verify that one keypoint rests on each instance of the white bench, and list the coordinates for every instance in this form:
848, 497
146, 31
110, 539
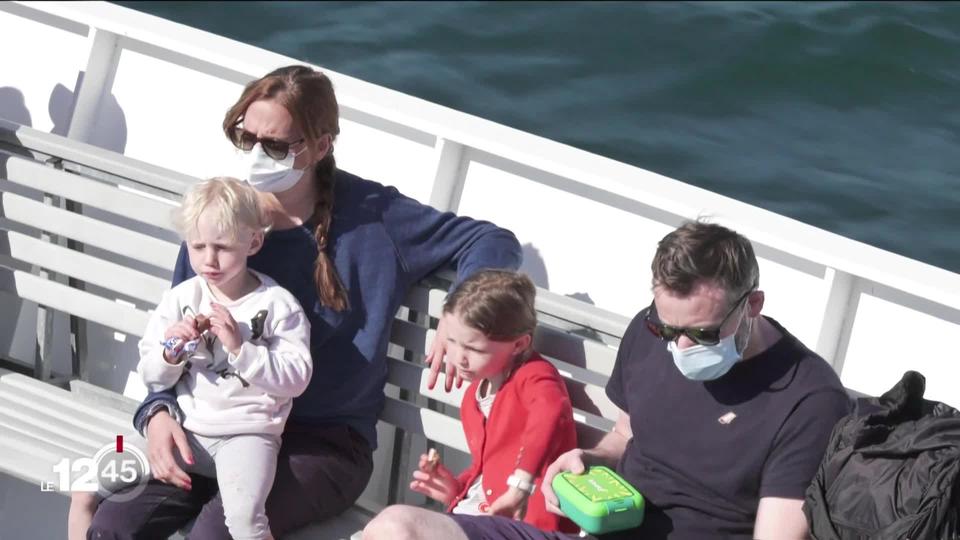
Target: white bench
85, 237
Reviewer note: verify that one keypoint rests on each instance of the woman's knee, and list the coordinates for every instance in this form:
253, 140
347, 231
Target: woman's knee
393, 523
114, 522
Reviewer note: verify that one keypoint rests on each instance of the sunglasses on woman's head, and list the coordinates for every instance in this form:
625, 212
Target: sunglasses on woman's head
244, 140
700, 336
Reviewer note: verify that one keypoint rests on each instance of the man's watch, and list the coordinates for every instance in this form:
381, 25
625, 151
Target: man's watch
521, 484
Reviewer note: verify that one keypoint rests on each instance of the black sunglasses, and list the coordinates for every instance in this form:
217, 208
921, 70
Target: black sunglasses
244, 140
701, 336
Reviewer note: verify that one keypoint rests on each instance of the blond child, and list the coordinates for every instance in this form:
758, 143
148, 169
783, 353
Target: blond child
516, 413
234, 345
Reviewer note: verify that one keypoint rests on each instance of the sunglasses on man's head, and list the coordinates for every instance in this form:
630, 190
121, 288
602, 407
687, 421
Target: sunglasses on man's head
700, 336
244, 140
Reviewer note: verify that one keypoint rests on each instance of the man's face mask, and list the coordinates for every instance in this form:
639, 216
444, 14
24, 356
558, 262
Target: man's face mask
712, 356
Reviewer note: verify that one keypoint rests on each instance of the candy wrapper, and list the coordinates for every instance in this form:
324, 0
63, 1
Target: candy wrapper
177, 346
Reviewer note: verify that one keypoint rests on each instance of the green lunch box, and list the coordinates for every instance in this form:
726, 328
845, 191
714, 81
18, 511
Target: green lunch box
599, 501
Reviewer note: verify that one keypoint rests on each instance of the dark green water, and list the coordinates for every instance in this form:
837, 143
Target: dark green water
843, 115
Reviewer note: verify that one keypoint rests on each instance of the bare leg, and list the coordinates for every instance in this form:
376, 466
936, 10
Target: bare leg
82, 507
400, 522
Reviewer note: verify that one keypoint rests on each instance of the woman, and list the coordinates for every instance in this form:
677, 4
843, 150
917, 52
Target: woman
349, 249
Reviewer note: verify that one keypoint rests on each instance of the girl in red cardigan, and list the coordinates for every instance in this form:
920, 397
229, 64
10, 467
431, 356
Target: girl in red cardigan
516, 413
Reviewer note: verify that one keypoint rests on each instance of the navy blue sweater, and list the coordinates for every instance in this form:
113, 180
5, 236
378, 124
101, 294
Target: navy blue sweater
381, 242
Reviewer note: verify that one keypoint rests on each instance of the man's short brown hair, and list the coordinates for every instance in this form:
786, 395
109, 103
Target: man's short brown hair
697, 251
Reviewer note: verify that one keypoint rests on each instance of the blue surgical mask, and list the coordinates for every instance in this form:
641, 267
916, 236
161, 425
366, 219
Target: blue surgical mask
708, 362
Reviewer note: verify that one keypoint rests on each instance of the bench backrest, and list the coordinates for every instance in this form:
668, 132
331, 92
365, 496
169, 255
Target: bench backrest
86, 234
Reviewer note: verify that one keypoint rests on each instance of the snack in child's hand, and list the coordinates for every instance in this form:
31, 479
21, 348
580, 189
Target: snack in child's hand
433, 458
203, 323
177, 346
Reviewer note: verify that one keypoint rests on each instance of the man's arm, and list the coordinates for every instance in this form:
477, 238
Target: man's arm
612, 446
607, 452
779, 518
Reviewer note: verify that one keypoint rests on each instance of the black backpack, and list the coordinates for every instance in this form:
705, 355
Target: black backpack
891, 470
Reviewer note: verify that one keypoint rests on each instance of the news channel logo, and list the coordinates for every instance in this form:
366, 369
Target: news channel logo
111, 470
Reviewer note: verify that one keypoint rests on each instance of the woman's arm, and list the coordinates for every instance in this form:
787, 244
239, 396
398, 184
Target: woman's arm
428, 239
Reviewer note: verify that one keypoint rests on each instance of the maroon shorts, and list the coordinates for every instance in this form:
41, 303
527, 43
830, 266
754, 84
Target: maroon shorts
501, 528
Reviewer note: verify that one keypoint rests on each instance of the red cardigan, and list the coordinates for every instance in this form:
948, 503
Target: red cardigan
530, 425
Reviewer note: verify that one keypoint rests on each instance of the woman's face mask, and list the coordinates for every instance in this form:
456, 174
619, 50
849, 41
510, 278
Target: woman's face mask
267, 174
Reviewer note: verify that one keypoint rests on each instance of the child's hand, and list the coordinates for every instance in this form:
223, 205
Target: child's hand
185, 329
512, 504
435, 481
225, 328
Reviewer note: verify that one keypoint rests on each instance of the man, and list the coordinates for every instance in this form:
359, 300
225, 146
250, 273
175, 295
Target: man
724, 415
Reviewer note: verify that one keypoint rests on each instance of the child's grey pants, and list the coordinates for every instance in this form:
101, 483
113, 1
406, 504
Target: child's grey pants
244, 466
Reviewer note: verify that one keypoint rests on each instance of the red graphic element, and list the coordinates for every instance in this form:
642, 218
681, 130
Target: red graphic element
119, 444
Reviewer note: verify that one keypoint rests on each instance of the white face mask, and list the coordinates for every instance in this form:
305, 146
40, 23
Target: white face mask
705, 362
267, 174
709, 362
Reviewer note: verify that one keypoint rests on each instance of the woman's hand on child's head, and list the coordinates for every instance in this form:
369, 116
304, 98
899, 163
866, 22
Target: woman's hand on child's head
438, 349
435, 481
223, 325
571, 461
512, 504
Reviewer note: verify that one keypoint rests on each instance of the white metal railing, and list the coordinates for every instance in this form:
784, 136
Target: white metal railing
847, 268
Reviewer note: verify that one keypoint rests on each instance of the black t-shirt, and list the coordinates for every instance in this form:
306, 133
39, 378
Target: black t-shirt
704, 453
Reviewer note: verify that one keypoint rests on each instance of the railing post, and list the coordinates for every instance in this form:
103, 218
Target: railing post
449, 176
97, 81
838, 314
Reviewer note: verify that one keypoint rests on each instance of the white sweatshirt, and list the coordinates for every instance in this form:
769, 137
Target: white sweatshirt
222, 394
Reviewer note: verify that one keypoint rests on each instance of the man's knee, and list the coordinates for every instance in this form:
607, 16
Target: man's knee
393, 523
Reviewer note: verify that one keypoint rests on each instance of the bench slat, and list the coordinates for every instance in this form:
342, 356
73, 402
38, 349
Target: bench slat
423, 299
45, 399
47, 428
431, 424
111, 276
75, 302
28, 458
90, 231
584, 353
90, 192
411, 336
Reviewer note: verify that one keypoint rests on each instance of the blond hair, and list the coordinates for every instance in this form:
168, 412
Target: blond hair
235, 205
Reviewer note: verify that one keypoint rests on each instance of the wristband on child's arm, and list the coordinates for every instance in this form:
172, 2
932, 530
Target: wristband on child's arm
521, 484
